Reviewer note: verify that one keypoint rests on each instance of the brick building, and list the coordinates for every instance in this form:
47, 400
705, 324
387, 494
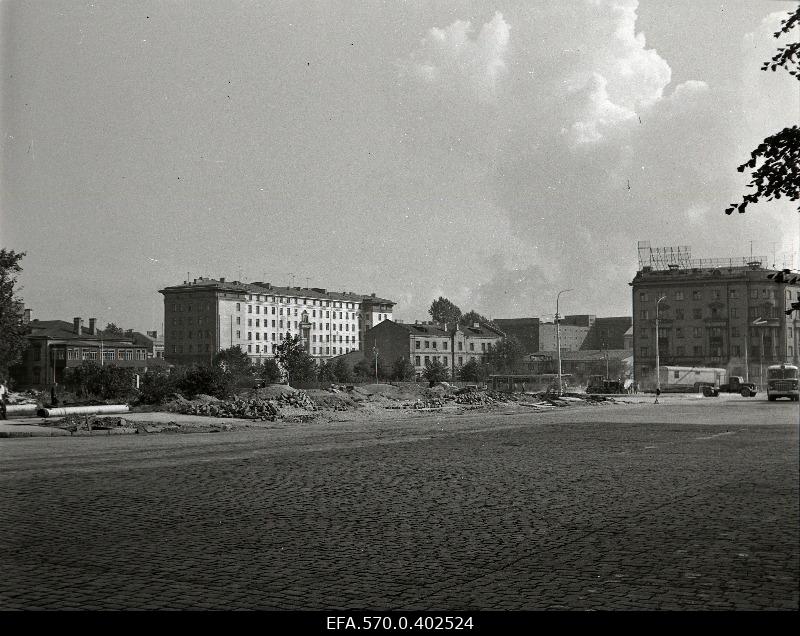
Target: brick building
578, 332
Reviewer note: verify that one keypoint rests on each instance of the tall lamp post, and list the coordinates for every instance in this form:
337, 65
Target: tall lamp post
756, 322
375, 350
558, 340
658, 360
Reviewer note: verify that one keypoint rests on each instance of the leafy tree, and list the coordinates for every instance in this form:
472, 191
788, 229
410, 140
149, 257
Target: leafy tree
155, 385
293, 358
471, 372
779, 173
341, 371
363, 370
208, 380
435, 371
506, 355
234, 359
442, 310
471, 317
325, 372
403, 370
112, 330
12, 331
268, 371
108, 382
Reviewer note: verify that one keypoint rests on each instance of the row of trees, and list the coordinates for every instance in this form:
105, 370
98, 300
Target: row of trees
444, 311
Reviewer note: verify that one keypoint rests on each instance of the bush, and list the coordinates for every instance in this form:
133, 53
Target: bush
342, 372
403, 370
107, 382
269, 372
207, 380
435, 371
471, 372
156, 385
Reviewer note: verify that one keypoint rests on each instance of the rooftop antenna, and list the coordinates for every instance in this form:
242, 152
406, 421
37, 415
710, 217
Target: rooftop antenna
307, 283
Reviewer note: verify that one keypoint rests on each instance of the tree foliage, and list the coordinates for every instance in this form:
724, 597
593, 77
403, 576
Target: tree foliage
403, 370
435, 371
268, 371
444, 311
342, 371
293, 358
107, 382
778, 175
506, 355
112, 330
363, 370
471, 317
234, 359
12, 331
471, 371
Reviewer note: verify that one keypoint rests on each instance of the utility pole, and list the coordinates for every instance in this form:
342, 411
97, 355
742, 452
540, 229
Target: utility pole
658, 364
375, 351
558, 340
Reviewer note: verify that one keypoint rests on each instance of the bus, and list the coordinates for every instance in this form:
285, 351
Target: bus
782, 381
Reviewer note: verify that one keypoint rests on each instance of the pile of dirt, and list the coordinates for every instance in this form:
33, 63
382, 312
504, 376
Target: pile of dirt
252, 407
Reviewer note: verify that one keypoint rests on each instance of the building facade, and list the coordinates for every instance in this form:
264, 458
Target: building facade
722, 314
204, 316
577, 332
54, 346
424, 342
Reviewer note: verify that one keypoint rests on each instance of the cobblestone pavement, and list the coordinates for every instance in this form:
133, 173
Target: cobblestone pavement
687, 505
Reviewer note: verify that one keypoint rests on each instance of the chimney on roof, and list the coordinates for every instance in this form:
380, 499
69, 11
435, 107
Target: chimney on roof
222, 279
93, 326
372, 294
26, 316
77, 323
153, 334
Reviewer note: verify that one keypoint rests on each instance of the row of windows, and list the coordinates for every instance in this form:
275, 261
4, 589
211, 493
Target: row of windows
432, 344
714, 294
108, 354
697, 332
299, 301
716, 350
322, 326
714, 312
423, 360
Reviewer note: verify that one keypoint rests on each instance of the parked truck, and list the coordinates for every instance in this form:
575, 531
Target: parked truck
599, 384
690, 379
736, 384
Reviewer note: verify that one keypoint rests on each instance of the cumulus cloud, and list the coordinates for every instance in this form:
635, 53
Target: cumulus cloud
450, 57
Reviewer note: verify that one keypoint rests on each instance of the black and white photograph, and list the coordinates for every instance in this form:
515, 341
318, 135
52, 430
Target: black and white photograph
400, 315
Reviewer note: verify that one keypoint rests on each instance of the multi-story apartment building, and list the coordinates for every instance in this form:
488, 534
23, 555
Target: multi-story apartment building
424, 342
714, 313
206, 315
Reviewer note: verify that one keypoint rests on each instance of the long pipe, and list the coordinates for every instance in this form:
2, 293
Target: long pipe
84, 410
21, 409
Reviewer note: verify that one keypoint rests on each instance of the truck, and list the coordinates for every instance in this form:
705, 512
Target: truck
690, 379
599, 384
736, 384
782, 381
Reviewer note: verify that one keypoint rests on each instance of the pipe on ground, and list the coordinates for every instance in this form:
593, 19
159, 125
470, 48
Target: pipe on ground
84, 410
21, 409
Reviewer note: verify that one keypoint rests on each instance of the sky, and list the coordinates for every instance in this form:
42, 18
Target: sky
490, 152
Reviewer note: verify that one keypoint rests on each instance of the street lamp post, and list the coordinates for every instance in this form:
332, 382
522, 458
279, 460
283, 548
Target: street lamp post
658, 361
558, 340
375, 349
756, 322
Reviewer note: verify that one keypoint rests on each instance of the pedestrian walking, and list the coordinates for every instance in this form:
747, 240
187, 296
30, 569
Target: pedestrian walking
3, 398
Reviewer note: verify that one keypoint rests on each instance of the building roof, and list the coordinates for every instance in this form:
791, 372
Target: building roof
258, 287
437, 329
63, 330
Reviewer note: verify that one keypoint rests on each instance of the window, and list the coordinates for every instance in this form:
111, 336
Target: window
238, 320
643, 351
417, 343
249, 322
249, 335
460, 360
483, 346
427, 344
643, 297
472, 347
444, 345
644, 315
461, 346
697, 313
238, 334
753, 293
678, 332
680, 350
734, 312
444, 360
434, 344
697, 332
697, 294
733, 293
734, 332
679, 314
258, 348
737, 351
698, 350
249, 348
427, 359
715, 294
679, 295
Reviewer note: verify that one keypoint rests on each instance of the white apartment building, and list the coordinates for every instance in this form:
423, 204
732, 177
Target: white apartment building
205, 315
